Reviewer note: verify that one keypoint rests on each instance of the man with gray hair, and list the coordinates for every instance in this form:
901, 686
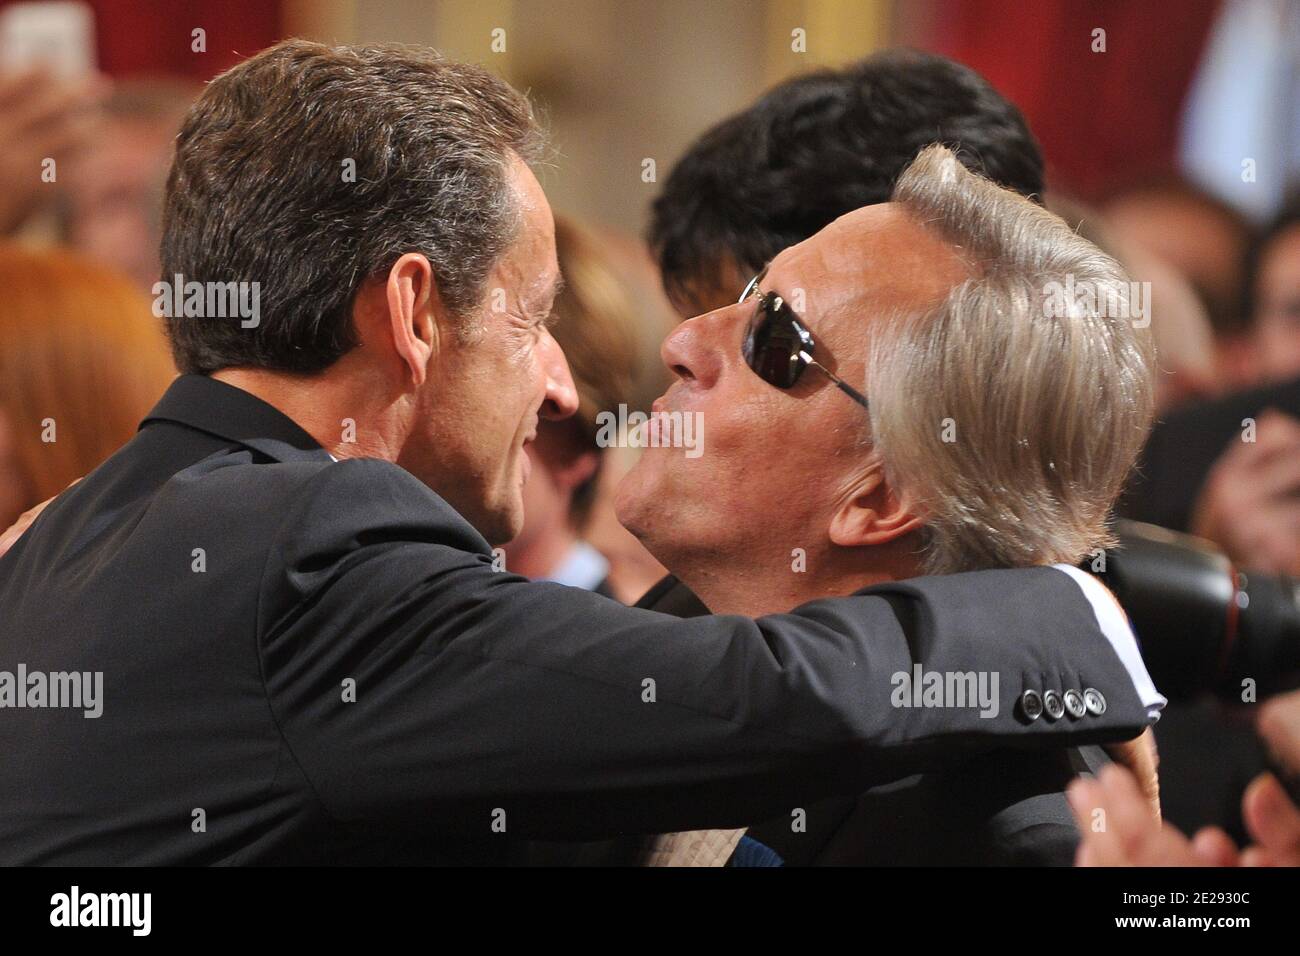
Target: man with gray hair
946, 382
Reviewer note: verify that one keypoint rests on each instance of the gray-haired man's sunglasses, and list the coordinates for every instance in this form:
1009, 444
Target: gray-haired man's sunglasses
778, 347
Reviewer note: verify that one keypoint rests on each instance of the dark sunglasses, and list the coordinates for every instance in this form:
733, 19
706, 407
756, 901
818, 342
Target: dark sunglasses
778, 347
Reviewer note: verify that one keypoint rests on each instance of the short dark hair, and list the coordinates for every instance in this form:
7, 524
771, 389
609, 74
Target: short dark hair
821, 145
259, 191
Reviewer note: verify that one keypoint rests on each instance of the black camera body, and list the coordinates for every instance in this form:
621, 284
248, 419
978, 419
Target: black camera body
1203, 624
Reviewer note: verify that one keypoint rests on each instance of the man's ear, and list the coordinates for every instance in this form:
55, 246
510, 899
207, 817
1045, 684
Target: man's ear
413, 307
576, 472
872, 514
569, 461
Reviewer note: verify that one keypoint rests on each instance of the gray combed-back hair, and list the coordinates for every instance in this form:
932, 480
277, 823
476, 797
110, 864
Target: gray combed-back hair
1012, 412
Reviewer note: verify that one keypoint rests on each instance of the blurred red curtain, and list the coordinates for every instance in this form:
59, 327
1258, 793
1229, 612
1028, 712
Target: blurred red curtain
1103, 118
155, 36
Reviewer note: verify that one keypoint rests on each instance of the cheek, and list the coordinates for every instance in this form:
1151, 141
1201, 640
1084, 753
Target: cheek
541, 493
495, 397
783, 464
521, 380
646, 489
1277, 337
740, 445
746, 429
645, 472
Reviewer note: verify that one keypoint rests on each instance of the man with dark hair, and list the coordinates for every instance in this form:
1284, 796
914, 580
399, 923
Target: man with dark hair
816, 147
279, 601
323, 181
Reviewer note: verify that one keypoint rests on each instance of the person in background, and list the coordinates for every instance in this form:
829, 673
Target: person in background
814, 148
1132, 838
1204, 238
81, 362
44, 120
1180, 327
593, 321
1229, 470
112, 203
1273, 295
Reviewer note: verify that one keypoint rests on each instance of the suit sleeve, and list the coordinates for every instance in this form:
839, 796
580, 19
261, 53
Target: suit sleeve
417, 687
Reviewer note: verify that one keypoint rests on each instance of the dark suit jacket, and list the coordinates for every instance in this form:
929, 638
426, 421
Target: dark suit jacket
1005, 808
306, 661
1002, 808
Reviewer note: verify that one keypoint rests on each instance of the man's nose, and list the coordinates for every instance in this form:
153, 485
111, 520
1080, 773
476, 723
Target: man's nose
561, 394
693, 350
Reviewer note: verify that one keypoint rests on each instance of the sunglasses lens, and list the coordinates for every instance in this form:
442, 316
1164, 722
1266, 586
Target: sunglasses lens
773, 344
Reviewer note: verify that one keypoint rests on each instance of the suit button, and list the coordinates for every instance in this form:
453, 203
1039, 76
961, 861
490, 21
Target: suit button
1031, 705
1074, 705
1053, 705
1095, 703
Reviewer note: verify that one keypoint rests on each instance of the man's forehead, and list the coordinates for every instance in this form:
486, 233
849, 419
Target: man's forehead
879, 250
533, 251
848, 241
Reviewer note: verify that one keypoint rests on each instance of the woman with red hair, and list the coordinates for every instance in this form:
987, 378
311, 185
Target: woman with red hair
81, 362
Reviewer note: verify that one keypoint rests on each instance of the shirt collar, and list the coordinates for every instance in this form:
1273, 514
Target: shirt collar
235, 415
583, 567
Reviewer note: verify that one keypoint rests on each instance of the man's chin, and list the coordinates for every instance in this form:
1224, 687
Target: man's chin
501, 522
645, 504
634, 499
